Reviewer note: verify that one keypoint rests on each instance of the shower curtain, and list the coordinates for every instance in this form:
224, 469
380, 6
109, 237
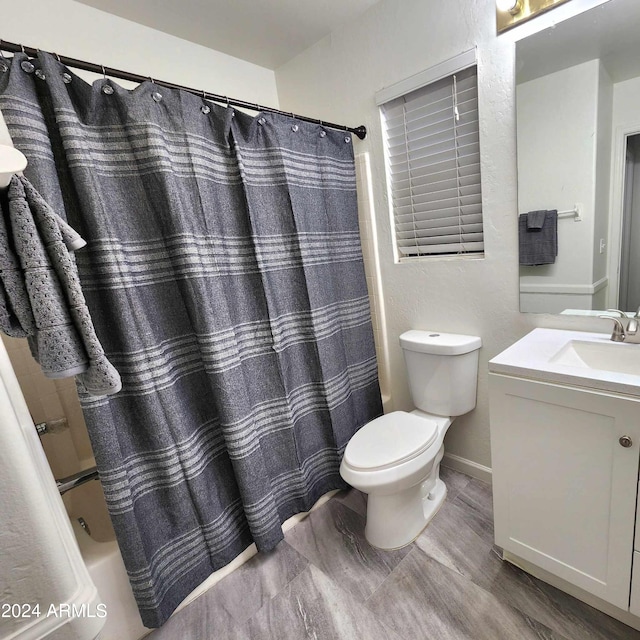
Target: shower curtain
224, 276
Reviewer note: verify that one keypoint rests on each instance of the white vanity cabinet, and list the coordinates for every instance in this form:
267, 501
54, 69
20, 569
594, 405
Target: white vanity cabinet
565, 482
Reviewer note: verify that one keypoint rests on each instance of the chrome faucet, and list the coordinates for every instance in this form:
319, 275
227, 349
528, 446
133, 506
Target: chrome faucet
618, 334
630, 333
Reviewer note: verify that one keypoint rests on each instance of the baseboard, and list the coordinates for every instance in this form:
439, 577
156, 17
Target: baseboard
469, 467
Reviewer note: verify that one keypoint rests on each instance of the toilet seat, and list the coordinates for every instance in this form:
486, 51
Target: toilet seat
390, 440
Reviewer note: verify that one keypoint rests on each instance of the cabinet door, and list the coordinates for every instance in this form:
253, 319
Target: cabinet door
564, 487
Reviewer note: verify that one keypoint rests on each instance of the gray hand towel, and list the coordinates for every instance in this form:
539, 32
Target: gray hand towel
43, 283
535, 220
538, 246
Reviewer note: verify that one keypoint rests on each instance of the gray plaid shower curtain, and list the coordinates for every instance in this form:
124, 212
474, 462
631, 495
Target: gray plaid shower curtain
225, 280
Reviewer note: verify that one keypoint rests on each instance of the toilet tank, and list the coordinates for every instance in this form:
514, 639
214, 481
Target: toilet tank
442, 370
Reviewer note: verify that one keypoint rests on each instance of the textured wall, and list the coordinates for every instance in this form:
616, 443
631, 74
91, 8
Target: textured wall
336, 80
76, 30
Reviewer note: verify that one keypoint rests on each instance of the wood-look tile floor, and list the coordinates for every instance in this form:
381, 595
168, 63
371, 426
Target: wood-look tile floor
325, 582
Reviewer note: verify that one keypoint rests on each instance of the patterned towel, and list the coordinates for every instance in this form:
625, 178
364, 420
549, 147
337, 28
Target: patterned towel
40, 293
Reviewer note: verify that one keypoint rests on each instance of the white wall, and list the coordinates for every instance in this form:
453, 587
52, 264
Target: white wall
76, 30
336, 79
626, 104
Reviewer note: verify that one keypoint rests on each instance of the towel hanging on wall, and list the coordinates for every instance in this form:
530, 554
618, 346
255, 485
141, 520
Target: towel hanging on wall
538, 237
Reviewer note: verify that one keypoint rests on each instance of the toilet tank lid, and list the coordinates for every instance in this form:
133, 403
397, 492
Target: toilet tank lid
450, 344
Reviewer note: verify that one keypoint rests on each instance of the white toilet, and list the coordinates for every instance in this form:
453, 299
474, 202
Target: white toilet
395, 459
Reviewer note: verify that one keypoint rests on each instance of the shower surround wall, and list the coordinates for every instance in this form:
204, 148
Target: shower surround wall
337, 79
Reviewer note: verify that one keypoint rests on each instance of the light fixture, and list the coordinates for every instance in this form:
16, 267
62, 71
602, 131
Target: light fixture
511, 6
510, 13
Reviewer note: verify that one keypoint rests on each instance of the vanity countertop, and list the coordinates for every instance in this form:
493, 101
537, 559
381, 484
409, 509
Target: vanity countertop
542, 355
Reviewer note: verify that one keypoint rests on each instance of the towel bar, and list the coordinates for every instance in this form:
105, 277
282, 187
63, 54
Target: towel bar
575, 213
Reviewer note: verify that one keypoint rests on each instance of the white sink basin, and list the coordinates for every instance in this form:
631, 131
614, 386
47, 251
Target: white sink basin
609, 356
573, 357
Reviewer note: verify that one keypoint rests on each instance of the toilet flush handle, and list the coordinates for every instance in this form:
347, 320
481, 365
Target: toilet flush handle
625, 441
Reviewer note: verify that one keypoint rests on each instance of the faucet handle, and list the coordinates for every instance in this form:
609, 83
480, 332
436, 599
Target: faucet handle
632, 324
618, 334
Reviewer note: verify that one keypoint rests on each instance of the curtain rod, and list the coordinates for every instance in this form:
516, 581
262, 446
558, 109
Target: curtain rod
360, 131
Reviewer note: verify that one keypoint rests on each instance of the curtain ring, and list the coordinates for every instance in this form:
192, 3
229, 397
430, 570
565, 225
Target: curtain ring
57, 58
104, 73
152, 80
204, 94
228, 105
23, 51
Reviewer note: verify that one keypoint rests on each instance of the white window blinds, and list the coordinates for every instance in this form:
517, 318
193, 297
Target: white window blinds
433, 155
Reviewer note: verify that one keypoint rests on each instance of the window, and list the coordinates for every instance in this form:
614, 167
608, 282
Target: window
433, 160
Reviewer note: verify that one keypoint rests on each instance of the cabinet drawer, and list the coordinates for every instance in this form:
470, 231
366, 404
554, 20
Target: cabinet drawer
635, 585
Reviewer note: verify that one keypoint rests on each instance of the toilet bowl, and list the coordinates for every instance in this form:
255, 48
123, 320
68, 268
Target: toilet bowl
395, 459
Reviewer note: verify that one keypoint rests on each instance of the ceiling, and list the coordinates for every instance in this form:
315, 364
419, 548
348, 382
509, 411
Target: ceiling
265, 32
608, 32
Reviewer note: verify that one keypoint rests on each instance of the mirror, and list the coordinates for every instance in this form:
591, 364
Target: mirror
578, 127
